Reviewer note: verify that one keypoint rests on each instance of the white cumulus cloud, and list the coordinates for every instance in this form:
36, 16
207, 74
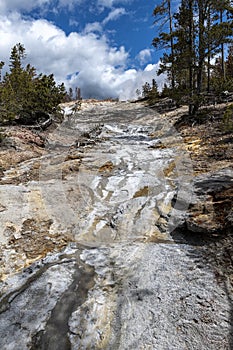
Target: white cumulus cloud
144, 56
86, 59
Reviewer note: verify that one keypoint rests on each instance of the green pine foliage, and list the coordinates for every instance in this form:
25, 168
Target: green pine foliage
198, 32
150, 92
219, 84
24, 95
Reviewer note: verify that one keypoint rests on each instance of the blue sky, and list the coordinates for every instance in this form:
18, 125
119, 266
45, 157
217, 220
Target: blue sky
127, 23
102, 46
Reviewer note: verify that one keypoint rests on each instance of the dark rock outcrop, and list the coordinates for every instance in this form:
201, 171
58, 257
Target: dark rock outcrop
211, 209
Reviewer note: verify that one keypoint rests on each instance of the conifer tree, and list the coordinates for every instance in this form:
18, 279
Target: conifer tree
24, 94
150, 92
199, 33
165, 40
229, 63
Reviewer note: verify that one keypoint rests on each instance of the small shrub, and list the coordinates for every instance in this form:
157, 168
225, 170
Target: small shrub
76, 107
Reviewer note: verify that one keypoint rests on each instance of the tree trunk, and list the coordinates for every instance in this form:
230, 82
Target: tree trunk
222, 50
190, 50
208, 49
171, 43
201, 46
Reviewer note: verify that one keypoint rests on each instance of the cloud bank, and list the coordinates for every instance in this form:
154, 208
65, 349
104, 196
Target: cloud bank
86, 59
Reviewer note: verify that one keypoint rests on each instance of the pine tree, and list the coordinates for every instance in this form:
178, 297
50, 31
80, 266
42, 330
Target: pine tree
150, 92
184, 50
229, 63
165, 40
153, 94
26, 96
219, 84
199, 32
223, 8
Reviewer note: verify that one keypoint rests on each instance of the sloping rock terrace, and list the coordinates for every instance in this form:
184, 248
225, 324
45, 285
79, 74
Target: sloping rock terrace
112, 238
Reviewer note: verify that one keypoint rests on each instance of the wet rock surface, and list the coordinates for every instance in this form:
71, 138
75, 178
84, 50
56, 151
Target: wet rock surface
110, 239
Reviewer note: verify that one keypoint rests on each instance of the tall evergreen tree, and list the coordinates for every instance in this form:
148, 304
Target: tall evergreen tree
223, 9
229, 63
199, 32
185, 60
165, 40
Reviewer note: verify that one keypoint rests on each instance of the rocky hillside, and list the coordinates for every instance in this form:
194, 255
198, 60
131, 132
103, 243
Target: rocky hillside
116, 231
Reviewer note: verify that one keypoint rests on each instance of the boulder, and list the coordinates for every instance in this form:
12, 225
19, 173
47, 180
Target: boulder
211, 208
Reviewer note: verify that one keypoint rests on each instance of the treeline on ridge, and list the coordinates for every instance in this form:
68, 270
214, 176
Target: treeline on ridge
194, 43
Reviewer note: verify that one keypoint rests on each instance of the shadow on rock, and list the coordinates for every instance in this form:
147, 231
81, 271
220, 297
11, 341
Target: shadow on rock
208, 228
